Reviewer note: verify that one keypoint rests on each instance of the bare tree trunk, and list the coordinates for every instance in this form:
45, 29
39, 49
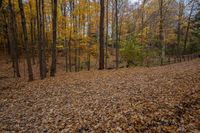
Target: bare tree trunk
106, 57
89, 35
188, 28
116, 41
11, 43
113, 24
161, 31
39, 38
4, 47
7, 48
32, 35
65, 41
43, 40
66, 54
180, 15
69, 42
75, 26
16, 41
23, 21
101, 36
40, 30
35, 37
13, 39
1, 3
70, 56
79, 41
54, 20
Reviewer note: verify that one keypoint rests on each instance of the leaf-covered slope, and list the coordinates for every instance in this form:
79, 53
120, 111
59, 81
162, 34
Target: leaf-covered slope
158, 99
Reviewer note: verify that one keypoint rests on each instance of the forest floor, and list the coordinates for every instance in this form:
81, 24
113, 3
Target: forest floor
157, 99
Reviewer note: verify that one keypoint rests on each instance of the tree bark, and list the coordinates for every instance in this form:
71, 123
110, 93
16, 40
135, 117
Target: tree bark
180, 15
113, 24
70, 36
89, 35
101, 35
75, 32
54, 20
13, 39
188, 28
116, 41
79, 41
161, 31
65, 41
106, 43
32, 35
43, 39
1, 3
23, 21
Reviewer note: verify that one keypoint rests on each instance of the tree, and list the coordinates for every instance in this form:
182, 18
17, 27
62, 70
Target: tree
188, 27
195, 39
42, 17
65, 40
53, 48
161, 38
101, 35
70, 34
13, 41
23, 18
106, 42
1, 3
82, 31
117, 35
40, 37
180, 21
32, 31
75, 32
142, 20
113, 23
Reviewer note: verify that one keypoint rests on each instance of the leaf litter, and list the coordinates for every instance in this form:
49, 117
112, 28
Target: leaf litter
157, 99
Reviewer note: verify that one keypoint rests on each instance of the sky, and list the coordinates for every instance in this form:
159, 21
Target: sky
133, 1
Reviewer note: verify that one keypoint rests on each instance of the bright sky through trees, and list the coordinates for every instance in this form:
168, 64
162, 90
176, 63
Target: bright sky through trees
133, 1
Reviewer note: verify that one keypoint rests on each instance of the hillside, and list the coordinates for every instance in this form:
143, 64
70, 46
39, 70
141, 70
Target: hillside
157, 99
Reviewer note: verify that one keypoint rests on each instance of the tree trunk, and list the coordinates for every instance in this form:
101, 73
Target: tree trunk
106, 43
39, 38
75, 27
43, 40
89, 35
23, 21
116, 41
32, 35
65, 41
188, 28
79, 41
66, 55
1, 3
7, 52
180, 15
54, 20
161, 31
113, 25
13, 39
70, 36
101, 36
